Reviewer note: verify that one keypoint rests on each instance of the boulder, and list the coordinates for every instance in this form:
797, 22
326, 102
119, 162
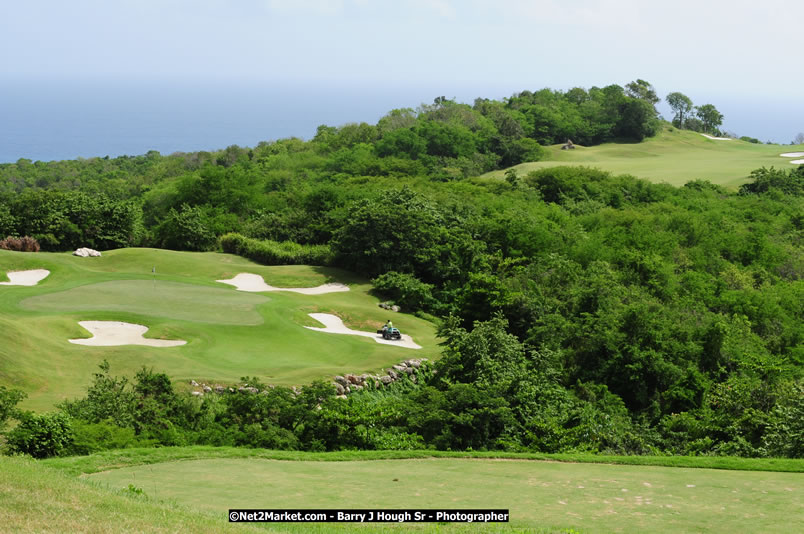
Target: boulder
197, 393
207, 389
386, 380
339, 389
86, 253
393, 374
341, 380
219, 389
353, 379
194, 383
342, 397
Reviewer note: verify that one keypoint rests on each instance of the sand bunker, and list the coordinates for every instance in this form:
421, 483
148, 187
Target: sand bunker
792, 154
254, 283
115, 333
334, 325
25, 278
716, 138
797, 161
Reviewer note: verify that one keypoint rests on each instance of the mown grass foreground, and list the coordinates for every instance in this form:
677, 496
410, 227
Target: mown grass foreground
647, 499
230, 333
543, 496
673, 156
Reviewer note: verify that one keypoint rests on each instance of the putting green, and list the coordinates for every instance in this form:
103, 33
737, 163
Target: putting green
173, 300
589, 497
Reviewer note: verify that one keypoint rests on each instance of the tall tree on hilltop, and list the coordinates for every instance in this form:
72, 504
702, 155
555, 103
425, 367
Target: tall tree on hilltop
642, 90
710, 117
681, 105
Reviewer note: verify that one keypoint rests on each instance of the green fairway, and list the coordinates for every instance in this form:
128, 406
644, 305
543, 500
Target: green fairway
185, 302
673, 156
230, 333
588, 497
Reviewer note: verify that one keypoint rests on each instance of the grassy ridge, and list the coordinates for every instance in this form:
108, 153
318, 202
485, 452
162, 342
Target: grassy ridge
107, 460
230, 333
673, 156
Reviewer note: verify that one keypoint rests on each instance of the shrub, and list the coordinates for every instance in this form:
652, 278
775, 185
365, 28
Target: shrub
405, 290
42, 435
275, 252
187, 229
8, 402
789, 182
20, 244
94, 437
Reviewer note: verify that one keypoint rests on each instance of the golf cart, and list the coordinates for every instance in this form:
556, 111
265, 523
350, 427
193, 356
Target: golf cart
390, 333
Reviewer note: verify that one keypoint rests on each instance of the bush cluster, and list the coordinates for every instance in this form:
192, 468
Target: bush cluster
270, 252
20, 244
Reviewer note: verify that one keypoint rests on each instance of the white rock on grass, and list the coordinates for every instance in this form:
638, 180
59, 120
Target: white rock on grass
86, 253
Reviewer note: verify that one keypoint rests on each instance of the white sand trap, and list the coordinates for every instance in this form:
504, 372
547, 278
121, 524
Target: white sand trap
797, 161
716, 138
334, 325
792, 154
26, 278
115, 333
254, 283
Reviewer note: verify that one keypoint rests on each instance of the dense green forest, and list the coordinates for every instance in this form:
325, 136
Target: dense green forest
580, 310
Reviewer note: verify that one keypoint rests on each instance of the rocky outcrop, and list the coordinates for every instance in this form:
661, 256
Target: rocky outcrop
86, 253
388, 306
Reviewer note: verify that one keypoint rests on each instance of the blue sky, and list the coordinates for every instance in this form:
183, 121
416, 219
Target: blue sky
708, 49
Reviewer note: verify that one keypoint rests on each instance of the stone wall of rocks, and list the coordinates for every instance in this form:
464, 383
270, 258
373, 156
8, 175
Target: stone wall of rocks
348, 383
343, 384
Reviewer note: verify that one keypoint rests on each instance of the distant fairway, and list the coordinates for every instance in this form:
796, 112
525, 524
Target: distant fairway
230, 333
588, 497
674, 156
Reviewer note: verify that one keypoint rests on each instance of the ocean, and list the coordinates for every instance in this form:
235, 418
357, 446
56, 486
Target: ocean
53, 120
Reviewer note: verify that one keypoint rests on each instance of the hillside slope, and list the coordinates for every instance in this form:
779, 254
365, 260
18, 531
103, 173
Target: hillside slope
230, 333
673, 156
